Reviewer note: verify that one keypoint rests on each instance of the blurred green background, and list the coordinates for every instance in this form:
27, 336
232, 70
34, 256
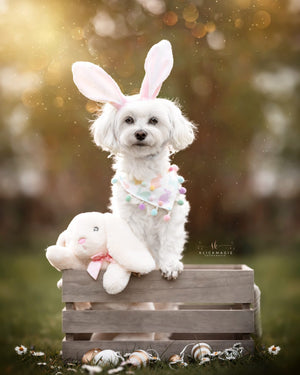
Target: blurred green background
236, 75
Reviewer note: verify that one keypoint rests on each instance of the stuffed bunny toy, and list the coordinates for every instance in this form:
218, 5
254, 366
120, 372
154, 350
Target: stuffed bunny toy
93, 240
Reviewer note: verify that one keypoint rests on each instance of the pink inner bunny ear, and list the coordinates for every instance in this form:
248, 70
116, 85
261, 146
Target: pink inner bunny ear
158, 66
94, 83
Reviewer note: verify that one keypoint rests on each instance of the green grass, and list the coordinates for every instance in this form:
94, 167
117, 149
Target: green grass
31, 314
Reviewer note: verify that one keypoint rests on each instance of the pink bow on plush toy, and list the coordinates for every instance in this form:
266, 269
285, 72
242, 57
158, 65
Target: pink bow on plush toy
94, 83
95, 265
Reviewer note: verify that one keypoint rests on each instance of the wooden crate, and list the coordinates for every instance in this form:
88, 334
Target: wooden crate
215, 308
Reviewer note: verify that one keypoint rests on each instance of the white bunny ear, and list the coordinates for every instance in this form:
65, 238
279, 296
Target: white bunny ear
158, 66
94, 83
125, 248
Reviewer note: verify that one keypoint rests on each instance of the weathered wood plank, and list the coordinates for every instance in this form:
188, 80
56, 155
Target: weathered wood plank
204, 284
74, 350
206, 321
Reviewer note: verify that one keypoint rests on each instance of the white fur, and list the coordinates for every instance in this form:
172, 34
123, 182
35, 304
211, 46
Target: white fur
142, 159
173, 132
146, 158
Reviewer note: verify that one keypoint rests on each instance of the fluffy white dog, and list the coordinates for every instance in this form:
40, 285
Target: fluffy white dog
141, 132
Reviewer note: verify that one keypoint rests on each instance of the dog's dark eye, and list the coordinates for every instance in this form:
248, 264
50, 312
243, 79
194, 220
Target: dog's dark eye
95, 229
153, 121
129, 120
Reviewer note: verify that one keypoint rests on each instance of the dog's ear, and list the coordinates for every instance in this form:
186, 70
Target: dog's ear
183, 130
103, 129
94, 83
125, 248
158, 66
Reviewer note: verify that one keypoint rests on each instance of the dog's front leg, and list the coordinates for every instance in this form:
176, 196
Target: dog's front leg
173, 237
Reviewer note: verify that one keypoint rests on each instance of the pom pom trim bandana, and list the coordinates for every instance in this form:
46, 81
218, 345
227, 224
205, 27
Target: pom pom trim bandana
160, 192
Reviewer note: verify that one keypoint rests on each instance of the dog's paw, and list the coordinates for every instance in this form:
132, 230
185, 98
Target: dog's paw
171, 271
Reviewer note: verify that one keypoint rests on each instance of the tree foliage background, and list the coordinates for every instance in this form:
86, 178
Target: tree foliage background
236, 75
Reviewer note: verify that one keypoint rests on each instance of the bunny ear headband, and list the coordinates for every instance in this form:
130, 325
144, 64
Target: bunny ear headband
94, 83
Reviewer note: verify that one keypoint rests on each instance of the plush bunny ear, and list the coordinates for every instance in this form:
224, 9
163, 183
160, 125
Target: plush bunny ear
61, 241
158, 66
94, 83
125, 248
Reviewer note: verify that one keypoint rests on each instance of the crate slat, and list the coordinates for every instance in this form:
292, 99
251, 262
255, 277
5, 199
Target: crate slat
207, 284
76, 349
206, 321
214, 307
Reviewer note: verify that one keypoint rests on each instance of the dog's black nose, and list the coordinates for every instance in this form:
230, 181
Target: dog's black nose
140, 135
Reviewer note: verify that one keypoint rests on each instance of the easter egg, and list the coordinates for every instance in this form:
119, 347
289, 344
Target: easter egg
106, 357
89, 355
139, 358
176, 360
199, 351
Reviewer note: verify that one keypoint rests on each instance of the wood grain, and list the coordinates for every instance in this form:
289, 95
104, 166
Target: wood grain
205, 284
206, 321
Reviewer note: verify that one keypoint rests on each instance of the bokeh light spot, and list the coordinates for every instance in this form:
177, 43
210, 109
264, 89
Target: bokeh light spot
199, 31
216, 40
238, 23
210, 27
170, 18
262, 19
190, 13
190, 25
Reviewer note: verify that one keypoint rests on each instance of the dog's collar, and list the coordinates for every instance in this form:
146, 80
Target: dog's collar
161, 192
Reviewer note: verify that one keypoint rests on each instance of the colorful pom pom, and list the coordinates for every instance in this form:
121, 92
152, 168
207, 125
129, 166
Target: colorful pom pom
152, 187
180, 179
128, 198
174, 168
114, 180
180, 202
142, 206
182, 190
154, 212
160, 203
167, 217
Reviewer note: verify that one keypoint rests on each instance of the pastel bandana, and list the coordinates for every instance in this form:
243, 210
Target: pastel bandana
159, 192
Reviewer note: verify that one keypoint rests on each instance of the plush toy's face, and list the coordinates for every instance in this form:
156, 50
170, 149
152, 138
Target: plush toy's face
86, 235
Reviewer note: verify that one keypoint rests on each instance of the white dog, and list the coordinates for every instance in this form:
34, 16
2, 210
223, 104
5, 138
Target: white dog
142, 131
